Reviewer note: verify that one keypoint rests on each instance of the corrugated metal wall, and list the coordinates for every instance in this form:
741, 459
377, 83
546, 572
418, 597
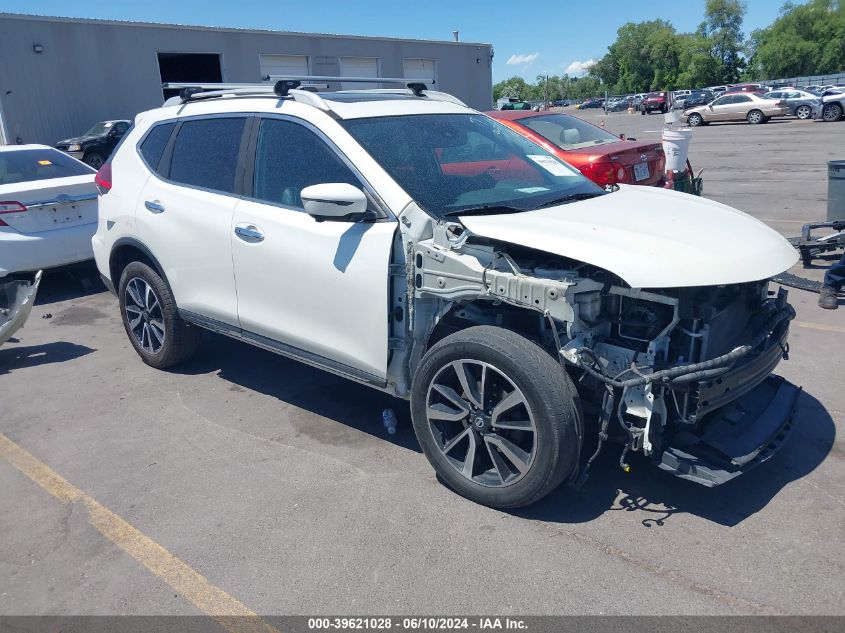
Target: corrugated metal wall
90, 71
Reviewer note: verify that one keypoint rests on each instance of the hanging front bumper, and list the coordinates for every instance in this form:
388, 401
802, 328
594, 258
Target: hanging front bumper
736, 438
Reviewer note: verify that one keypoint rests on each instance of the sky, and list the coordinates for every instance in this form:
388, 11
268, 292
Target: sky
528, 38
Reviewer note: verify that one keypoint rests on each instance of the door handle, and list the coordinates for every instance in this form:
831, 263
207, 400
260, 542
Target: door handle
249, 233
154, 206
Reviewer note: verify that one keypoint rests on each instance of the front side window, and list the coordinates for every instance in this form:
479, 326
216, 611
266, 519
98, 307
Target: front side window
205, 153
568, 132
513, 174
27, 165
290, 157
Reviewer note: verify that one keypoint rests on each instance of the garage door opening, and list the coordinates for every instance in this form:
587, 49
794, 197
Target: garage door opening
189, 68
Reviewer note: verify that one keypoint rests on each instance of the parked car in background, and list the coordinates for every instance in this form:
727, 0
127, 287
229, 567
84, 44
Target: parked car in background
798, 102
753, 88
591, 103
48, 209
746, 106
655, 102
516, 105
601, 156
618, 104
698, 98
679, 97
832, 107
96, 145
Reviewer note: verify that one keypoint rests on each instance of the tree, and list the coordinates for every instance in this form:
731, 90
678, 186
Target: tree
514, 87
806, 39
722, 27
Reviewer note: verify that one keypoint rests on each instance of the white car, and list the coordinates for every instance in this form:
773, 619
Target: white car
407, 242
48, 209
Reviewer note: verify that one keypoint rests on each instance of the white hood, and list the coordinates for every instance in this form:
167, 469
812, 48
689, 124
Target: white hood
650, 237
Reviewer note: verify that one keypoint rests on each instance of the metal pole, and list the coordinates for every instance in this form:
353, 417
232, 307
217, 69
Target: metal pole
546, 93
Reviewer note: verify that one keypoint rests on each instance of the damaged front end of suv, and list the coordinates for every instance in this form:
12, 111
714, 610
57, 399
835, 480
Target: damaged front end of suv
681, 373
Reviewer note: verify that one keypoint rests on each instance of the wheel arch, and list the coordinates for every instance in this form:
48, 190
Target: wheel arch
524, 321
127, 250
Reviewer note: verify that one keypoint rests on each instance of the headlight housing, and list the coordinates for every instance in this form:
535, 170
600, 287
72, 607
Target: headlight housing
73, 148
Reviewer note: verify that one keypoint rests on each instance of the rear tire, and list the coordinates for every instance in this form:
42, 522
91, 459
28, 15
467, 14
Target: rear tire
803, 112
832, 112
755, 117
151, 319
496, 416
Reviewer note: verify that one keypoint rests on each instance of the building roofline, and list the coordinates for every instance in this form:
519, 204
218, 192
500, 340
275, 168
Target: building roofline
223, 29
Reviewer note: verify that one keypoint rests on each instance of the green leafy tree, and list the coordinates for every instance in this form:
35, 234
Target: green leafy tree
722, 28
805, 39
514, 87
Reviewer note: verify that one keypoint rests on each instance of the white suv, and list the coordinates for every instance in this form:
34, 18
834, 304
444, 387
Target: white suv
407, 242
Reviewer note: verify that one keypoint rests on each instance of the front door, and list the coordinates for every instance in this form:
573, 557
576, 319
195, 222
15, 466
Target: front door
317, 287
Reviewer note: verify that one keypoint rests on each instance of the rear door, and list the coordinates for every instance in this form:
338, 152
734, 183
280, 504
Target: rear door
741, 105
185, 213
317, 287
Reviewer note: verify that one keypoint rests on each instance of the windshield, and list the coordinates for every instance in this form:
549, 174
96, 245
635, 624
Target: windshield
99, 129
568, 132
26, 165
454, 162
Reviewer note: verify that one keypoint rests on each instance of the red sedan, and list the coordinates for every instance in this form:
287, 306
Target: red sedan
602, 157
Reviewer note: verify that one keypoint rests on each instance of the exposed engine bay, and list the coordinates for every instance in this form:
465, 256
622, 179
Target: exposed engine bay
682, 375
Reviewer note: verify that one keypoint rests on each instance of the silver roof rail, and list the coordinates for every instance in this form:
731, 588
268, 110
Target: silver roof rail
301, 88
360, 80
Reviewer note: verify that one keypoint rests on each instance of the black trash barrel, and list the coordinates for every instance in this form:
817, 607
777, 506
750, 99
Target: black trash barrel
836, 190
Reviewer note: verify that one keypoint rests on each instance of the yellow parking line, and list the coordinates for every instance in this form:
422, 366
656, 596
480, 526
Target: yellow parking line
820, 326
230, 613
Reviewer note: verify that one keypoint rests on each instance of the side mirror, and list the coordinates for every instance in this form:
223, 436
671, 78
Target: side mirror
333, 201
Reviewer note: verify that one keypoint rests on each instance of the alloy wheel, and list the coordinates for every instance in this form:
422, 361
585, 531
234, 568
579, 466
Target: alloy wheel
95, 161
755, 117
832, 112
803, 112
144, 315
481, 422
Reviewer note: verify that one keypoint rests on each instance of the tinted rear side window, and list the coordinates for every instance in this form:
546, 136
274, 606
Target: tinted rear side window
27, 165
205, 153
153, 146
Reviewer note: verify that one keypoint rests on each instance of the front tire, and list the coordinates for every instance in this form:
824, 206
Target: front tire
832, 112
755, 117
496, 416
94, 160
695, 119
152, 322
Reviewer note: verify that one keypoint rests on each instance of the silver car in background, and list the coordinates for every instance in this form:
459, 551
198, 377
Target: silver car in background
739, 106
799, 103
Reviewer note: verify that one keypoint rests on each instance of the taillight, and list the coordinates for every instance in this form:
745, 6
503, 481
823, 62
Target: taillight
103, 178
604, 173
10, 206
